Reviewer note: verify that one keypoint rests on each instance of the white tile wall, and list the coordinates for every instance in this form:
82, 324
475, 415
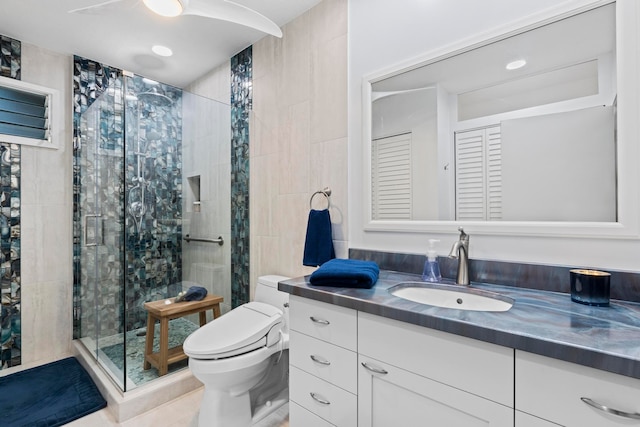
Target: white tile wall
207, 153
298, 141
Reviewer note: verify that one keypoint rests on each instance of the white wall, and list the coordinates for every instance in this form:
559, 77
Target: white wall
384, 35
538, 152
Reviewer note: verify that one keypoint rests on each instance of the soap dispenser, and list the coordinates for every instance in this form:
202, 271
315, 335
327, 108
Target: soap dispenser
431, 272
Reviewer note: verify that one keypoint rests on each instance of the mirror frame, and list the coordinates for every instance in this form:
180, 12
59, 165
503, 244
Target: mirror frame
628, 133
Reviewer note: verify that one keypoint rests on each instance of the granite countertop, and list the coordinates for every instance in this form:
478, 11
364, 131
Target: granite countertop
540, 322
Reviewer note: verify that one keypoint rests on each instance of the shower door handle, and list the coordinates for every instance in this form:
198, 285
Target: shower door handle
98, 238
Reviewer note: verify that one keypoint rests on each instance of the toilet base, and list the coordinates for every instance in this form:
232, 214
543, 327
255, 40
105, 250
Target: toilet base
220, 409
232, 411
269, 407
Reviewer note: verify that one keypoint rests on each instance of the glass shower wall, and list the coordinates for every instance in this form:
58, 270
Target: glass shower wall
100, 161
136, 200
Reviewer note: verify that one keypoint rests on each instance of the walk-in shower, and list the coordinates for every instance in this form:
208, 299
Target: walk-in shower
138, 146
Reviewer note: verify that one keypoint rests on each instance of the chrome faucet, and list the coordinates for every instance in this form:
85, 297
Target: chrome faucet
460, 250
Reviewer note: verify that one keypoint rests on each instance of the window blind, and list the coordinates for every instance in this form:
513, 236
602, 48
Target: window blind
24, 114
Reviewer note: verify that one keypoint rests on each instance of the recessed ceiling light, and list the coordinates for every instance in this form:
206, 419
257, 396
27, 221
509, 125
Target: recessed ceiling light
169, 8
161, 50
514, 65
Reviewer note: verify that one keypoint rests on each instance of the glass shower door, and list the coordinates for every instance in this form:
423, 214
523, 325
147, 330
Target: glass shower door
101, 169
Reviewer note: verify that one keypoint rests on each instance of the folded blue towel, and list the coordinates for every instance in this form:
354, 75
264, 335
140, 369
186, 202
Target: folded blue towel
347, 273
195, 293
318, 246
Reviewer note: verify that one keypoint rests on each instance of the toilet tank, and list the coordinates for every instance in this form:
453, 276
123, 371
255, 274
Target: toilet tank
267, 292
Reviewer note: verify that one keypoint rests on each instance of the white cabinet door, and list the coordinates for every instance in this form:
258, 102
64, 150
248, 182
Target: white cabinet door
390, 396
474, 366
554, 390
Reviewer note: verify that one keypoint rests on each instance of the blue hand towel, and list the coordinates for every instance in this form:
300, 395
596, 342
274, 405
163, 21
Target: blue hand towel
318, 246
195, 293
347, 273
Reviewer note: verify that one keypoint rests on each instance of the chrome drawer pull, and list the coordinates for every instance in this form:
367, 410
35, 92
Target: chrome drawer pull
319, 399
374, 370
622, 414
321, 321
320, 360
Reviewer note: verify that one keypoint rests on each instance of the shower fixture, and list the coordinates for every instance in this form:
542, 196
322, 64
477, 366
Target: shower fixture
137, 200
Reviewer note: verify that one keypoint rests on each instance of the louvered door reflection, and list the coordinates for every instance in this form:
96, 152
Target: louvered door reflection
391, 177
478, 174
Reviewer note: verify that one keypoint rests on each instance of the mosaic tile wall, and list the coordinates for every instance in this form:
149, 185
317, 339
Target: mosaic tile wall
241, 104
10, 314
153, 195
10, 57
136, 165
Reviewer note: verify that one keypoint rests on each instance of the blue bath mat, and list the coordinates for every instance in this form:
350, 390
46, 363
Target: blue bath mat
49, 395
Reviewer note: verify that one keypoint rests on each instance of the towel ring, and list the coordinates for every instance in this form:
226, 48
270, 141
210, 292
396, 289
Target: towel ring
326, 192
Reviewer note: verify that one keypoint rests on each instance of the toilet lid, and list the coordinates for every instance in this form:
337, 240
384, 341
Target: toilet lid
241, 330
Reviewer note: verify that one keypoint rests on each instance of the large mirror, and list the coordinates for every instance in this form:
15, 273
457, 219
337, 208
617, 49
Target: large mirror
519, 129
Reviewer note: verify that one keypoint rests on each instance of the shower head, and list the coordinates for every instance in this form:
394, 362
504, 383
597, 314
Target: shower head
155, 98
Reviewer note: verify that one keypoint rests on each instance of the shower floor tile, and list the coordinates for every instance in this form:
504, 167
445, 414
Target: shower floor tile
179, 330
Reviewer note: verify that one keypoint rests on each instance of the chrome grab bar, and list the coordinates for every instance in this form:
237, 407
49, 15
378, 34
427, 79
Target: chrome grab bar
219, 240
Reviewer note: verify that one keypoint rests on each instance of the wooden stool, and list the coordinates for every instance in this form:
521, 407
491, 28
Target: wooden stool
163, 312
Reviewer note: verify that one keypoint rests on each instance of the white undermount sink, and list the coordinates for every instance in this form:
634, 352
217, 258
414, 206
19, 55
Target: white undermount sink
451, 296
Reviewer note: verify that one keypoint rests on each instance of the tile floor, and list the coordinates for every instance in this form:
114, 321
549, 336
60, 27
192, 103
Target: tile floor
181, 412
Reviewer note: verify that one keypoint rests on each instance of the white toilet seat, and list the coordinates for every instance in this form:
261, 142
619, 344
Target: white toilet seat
245, 329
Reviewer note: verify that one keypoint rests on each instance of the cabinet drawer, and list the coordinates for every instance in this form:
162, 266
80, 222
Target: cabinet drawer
477, 367
552, 389
329, 362
331, 323
300, 417
329, 402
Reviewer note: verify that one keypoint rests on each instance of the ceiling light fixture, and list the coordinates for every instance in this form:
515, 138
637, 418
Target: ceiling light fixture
161, 50
514, 65
169, 8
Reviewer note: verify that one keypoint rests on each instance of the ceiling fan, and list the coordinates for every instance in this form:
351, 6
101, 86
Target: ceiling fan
224, 10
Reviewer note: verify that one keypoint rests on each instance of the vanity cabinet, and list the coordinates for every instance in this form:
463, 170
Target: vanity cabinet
350, 368
323, 364
414, 376
553, 390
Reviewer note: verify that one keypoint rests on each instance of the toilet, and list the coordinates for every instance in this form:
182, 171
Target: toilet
242, 358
